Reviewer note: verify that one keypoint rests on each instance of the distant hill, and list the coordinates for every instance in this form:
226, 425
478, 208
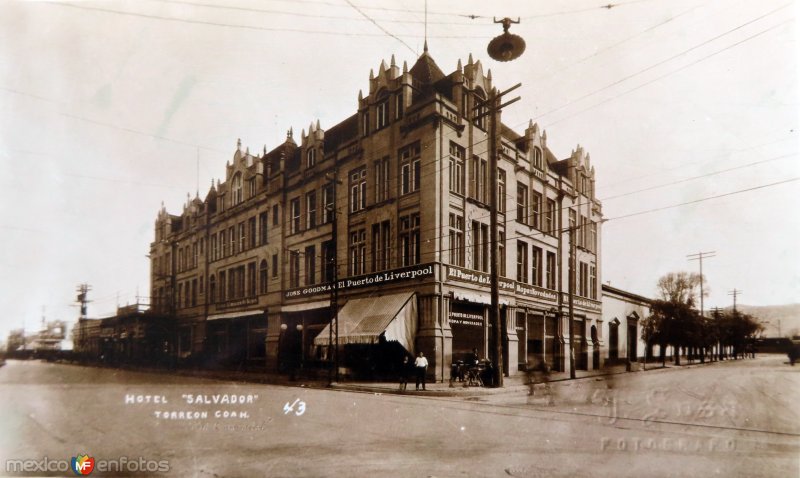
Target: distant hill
769, 315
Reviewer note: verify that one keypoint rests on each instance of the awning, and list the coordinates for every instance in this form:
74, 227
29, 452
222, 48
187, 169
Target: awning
362, 321
477, 297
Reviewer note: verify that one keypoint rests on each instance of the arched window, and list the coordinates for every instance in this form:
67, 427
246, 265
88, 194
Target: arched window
212, 289
382, 110
262, 277
236, 189
537, 158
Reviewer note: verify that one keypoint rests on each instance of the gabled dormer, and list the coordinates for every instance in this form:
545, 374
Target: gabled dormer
581, 172
535, 143
388, 98
312, 145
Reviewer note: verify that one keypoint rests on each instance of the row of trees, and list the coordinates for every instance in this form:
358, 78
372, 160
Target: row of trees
675, 321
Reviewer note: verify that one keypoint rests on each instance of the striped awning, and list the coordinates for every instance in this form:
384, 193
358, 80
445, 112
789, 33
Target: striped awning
363, 321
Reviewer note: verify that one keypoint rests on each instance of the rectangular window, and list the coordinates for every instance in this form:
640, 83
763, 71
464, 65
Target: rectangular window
274, 265
381, 245
457, 154
537, 210
275, 218
583, 287
480, 246
551, 270
409, 240
583, 231
593, 237
358, 252
214, 247
365, 123
398, 106
483, 187
536, 266
549, 216
294, 269
251, 187
593, 282
262, 277
382, 180
242, 237
311, 210
358, 189
456, 236
223, 293
251, 279
572, 221
294, 211
311, 265
327, 261
195, 252
251, 226
327, 204
194, 292
522, 203
501, 246
232, 240
263, 233
382, 114
409, 169
501, 191
522, 262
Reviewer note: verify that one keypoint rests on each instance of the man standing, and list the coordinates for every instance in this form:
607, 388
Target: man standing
421, 364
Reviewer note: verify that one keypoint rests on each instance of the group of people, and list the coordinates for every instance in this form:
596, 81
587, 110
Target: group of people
419, 370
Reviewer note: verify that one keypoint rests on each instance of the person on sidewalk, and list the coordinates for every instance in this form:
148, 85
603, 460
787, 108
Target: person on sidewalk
405, 369
421, 364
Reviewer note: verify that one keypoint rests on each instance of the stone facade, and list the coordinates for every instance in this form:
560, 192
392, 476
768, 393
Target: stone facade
247, 271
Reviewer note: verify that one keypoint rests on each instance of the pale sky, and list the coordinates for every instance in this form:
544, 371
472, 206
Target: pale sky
104, 107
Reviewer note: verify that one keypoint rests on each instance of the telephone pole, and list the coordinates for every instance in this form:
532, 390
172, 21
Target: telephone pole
495, 107
735, 293
572, 254
334, 349
699, 257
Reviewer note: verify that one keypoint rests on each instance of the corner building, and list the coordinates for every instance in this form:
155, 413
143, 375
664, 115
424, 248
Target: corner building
393, 203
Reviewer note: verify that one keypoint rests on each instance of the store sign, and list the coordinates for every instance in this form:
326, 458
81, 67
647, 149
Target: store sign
582, 303
238, 303
484, 279
377, 279
465, 318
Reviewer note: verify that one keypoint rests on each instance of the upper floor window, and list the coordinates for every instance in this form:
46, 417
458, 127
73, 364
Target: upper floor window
399, 105
327, 204
381, 245
311, 265
536, 266
537, 158
549, 216
522, 203
551, 270
294, 268
382, 114
251, 187
294, 211
358, 189
409, 240
480, 246
456, 240
479, 179
501, 191
365, 123
236, 189
382, 180
358, 252
311, 157
537, 210
456, 168
522, 262
409, 168
479, 113
262, 277
311, 209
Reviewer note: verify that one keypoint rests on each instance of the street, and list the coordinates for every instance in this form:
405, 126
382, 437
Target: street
737, 418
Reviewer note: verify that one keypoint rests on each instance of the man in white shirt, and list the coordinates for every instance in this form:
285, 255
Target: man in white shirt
421, 364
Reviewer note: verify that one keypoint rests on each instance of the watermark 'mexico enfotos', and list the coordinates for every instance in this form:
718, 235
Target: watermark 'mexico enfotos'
83, 464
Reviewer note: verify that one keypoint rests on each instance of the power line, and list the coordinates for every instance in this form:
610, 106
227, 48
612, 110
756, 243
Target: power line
670, 73
677, 55
684, 180
315, 15
244, 27
704, 199
381, 28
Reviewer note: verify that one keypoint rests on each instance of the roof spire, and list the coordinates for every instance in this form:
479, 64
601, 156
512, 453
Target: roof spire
425, 47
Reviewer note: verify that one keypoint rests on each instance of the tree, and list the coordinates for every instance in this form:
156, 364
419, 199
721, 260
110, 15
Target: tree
680, 288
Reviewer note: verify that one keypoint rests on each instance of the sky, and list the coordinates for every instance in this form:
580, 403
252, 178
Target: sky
688, 108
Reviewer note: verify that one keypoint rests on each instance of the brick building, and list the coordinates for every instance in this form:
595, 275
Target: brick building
247, 271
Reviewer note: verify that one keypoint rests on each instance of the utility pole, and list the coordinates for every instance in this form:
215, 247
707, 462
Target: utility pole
334, 349
494, 109
572, 254
735, 293
699, 257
